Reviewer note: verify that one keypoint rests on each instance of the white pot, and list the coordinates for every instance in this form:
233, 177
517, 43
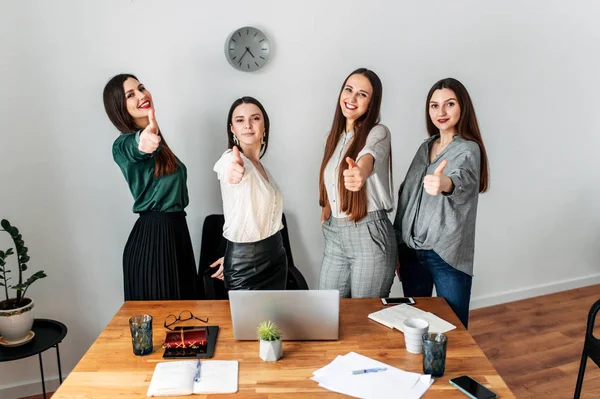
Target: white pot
16, 323
271, 351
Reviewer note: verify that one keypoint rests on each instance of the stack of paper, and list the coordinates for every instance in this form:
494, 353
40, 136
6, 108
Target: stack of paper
393, 317
337, 376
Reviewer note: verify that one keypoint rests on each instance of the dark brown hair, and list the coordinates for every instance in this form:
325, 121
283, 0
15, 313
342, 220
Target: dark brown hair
236, 103
115, 105
467, 126
352, 203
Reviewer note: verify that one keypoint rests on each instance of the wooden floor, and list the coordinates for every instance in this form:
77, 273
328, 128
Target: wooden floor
535, 344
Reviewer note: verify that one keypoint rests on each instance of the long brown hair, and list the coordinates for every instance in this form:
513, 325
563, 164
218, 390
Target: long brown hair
115, 105
236, 103
467, 126
352, 203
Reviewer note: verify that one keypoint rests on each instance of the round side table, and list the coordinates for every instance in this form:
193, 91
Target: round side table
48, 334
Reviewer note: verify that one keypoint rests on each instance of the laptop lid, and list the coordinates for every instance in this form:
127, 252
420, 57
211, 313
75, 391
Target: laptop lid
301, 315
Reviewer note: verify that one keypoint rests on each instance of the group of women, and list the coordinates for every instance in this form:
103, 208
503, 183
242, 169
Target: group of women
430, 243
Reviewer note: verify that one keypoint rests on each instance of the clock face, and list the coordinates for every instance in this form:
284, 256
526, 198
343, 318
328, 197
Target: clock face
247, 49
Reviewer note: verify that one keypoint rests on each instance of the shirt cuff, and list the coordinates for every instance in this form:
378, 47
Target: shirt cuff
456, 182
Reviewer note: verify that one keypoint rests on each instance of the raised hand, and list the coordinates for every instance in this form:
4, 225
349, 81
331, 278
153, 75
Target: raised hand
219, 273
353, 176
149, 138
235, 170
438, 182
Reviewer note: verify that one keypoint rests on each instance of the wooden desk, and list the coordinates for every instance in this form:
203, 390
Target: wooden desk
110, 369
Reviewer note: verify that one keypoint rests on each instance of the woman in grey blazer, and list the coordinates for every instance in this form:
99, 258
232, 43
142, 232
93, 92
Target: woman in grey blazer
356, 194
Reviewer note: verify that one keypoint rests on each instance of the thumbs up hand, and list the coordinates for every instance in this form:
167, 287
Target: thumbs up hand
149, 138
353, 176
438, 182
235, 170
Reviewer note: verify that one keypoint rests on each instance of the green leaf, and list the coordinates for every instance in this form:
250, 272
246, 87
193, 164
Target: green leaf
9, 251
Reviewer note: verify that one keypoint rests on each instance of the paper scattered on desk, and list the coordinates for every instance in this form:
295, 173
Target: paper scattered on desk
393, 317
337, 376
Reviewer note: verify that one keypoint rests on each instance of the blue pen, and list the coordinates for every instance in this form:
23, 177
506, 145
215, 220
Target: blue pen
197, 376
373, 370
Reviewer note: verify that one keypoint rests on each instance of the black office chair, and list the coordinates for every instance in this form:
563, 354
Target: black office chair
591, 347
213, 247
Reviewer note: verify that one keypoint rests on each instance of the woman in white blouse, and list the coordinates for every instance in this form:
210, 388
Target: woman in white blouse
355, 193
255, 258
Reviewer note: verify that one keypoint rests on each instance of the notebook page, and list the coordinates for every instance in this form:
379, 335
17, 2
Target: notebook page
173, 378
217, 376
395, 315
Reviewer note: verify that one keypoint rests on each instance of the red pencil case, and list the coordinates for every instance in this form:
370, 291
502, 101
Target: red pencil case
185, 338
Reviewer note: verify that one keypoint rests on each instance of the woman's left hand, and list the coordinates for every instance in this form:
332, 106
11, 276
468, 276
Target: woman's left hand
438, 183
354, 177
219, 273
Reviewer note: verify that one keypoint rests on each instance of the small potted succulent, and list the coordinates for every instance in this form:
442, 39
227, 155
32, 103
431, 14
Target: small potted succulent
270, 341
16, 314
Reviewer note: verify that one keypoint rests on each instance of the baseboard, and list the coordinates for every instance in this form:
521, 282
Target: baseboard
533, 291
29, 388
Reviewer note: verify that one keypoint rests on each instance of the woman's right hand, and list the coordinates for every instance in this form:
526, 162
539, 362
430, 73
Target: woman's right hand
219, 273
235, 170
149, 138
325, 213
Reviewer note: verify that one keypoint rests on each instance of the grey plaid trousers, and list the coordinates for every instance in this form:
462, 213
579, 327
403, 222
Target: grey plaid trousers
360, 257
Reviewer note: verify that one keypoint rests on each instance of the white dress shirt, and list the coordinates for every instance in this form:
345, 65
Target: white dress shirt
253, 208
379, 186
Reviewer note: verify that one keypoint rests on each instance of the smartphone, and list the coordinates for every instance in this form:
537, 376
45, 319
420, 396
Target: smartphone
396, 301
472, 388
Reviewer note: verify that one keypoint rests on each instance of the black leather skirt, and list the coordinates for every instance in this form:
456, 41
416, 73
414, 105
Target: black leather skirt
260, 265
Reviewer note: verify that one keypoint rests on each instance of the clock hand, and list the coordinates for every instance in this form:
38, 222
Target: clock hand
243, 55
248, 50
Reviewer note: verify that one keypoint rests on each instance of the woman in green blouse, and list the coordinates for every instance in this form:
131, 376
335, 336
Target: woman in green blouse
158, 260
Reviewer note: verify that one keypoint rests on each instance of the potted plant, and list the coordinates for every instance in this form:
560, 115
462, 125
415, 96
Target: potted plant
16, 314
270, 341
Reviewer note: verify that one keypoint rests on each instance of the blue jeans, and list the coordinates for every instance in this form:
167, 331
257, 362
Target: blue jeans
421, 269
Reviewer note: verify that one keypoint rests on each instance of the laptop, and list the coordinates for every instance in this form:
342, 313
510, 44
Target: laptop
301, 315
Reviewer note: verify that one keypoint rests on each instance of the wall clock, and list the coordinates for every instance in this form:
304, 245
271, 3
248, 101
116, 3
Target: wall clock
247, 49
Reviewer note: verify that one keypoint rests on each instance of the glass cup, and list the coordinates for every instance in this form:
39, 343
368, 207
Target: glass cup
141, 334
434, 354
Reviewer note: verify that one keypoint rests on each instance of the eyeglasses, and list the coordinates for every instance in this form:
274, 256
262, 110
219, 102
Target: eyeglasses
183, 316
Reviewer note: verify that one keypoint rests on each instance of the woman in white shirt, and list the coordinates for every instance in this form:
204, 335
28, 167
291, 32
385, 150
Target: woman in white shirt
355, 193
255, 258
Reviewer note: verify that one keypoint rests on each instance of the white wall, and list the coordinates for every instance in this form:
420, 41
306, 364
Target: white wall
531, 69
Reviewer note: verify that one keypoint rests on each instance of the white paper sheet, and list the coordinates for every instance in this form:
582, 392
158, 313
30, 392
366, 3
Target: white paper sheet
337, 376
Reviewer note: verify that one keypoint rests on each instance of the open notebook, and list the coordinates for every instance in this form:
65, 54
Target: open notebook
393, 317
189, 377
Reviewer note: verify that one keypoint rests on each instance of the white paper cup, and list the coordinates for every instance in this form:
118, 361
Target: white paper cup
414, 326
413, 334
414, 349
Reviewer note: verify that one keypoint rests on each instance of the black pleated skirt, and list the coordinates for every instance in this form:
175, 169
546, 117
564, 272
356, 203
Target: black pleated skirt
158, 261
260, 265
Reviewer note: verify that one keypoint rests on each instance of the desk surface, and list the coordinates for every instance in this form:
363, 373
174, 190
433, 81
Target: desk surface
110, 369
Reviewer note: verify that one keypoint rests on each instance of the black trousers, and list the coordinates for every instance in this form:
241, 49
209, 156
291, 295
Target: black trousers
260, 265
158, 260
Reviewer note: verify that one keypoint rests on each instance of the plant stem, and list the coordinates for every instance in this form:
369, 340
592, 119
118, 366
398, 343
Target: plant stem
19, 266
5, 282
